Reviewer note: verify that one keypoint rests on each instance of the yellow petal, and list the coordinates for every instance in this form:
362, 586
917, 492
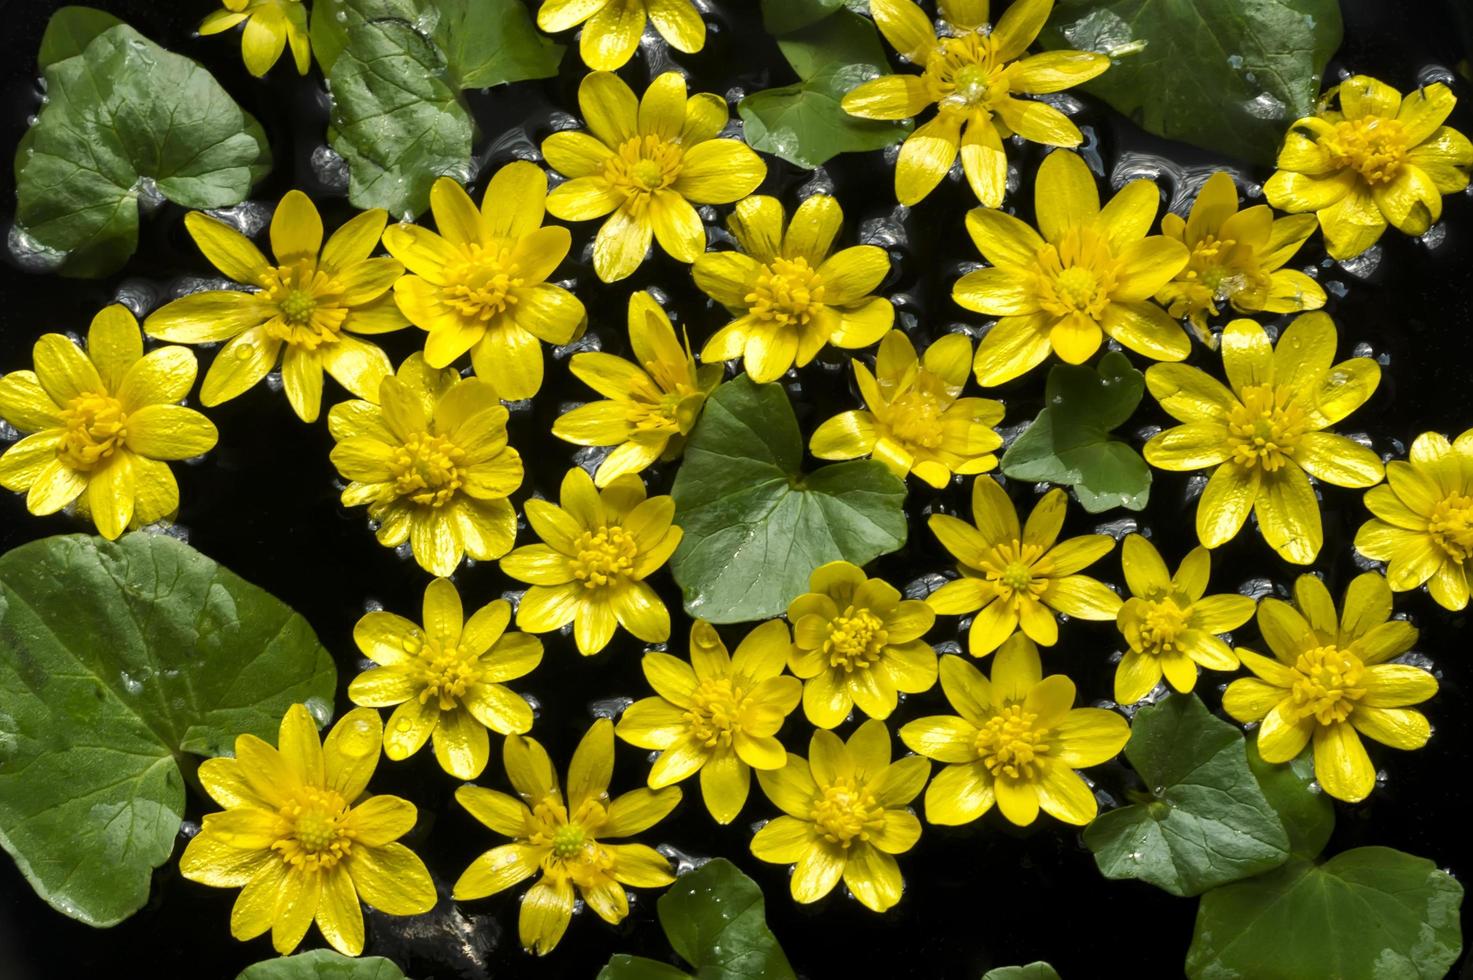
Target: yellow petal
611, 36
1066, 194
906, 27
719, 171
1013, 347
679, 23
1063, 795
227, 249
547, 908
1018, 26
888, 97
1341, 765
1399, 728
1289, 515
927, 154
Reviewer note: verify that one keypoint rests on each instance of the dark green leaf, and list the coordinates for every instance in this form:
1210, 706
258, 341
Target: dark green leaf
1033, 971
116, 659
494, 43
322, 964
332, 20
715, 918
784, 16
69, 31
1307, 814
625, 967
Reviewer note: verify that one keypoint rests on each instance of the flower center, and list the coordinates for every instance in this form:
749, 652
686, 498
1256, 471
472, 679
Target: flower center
715, 712
426, 469
297, 307
1010, 745
604, 557
788, 292
1265, 428
1010, 569
916, 419
663, 415
1161, 626
307, 316
643, 165
1076, 275
845, 811
446, 672
1326, 685
481, 285
95, 427
1373, 146
573, 848
963, 73
568, 841
1451, 526
314, 830
856, 639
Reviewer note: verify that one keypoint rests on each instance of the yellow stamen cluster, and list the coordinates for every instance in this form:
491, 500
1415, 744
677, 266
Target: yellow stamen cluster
1265, 428
964, 72
1374, 146
1328, 686
426, 469
847, 812
1451, 526
315, 834
94, 427
1009, 744
303, 319
1163, 625
1078, 275
715, 711
788, 292
605, 556
482, 285
856, 639
643, 165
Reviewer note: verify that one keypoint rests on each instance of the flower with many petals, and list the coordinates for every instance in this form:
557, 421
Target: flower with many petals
612, 28
269, 26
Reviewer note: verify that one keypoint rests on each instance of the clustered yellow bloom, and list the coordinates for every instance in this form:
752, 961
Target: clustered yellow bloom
972, 74
269, 26
612, 28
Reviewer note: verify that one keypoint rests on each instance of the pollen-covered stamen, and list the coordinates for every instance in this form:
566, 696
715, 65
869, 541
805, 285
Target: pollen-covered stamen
715, 712
1011, 570
95, 427
426, 469
643, 165
446, 672
915, 419
1265, 428
307, 314
1011, 745
846, 812
605, 557
856, 639
315, 830
1161, 627
1451, 526
1328, 685
964, 72
1374, 146
483, 284
788, 292
1076, 275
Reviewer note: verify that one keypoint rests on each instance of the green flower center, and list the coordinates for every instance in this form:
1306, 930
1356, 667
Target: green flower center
482, 285
1011, 745
1327, 687
856, 639
426, 469
314, 830
844, 812
568, 841
605, 557
788, 292
307, 314
643, 165
964, 73
297, 307
1374, 146
95, 427
1264, 429
1451, 526
1076, 275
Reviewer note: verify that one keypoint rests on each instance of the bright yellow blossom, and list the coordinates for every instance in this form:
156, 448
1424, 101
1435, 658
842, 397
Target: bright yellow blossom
648, 161
101, 423
1169, 622
307, 308
915, 422
1369, 157
1265, 437
844, 816
269, 26
856, 641
612, 28
597, 550
1015, 740
301, 839
1092, 273
790, 296
1331, 682
718, 715
650, 405
971, 74
431, 461
1012, 578
444, 679
565, 837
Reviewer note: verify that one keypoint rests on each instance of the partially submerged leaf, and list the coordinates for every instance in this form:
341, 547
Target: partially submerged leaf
323, 964
69, 31
1038, 970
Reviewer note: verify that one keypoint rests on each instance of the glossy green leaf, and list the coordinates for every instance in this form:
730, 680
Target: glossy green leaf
332, 20
1304, 809
1038, 970
69, 31
626, 967
322, 964
118, 659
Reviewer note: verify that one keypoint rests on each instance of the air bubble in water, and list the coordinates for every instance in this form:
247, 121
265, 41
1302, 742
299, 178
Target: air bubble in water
608, 707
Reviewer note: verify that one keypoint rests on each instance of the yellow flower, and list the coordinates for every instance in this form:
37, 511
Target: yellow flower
100, 424
844, 816
855, 641
1014, 578
1331, 680
598, 548
1015, 740
312, 305
650, 406
971, 74
1237, 257
1092, 272
612, 28
269, 26
718, 715
1424, 519
1169, 622
445, 678
300, 838
915, 422
565, 838
1376, 158
789, 295
479, 285
1265, 435
648, 161
431, 461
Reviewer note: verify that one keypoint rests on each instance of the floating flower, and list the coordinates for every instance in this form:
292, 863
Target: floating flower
308, 308
648, 161
1331, 680
1092, 273
972, 75
1016, 740
1014, 578
597, 550
650, 406
301, 840
1266, 434
718, 715
101, 423
790, 296
1376, 158
612, 28
565, 838
915, 421
444, 679
431, 461
844, 816
269, 26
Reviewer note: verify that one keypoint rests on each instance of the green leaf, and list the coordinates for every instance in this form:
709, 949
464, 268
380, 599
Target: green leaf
1371, 913
117, 659
494, 43
785, 16
625, 967
755, 526
1038, 970
322, 964
123, 120
1207, 822
1307, 814
1229, 77
69, 31
1069, 443
332, 20
715, 918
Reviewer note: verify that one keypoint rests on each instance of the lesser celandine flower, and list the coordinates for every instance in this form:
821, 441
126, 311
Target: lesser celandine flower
648, 161
1013, 577
269, 26
1329, 682
479, 285
565, 837
101, 423
1170, 623
444, 678
431, 461
914, 420
1016, 740
612, 28
972, 75
301, 840
649, 405
308, 308
1368, 158
597, 549
790, 296
718, 715
1264, 438
844, 816
1090, 273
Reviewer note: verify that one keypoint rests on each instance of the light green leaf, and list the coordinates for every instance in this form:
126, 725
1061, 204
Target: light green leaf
1038, 970
69, 31
625, 967
494, 43
331, 21
322, 964
1307, 814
